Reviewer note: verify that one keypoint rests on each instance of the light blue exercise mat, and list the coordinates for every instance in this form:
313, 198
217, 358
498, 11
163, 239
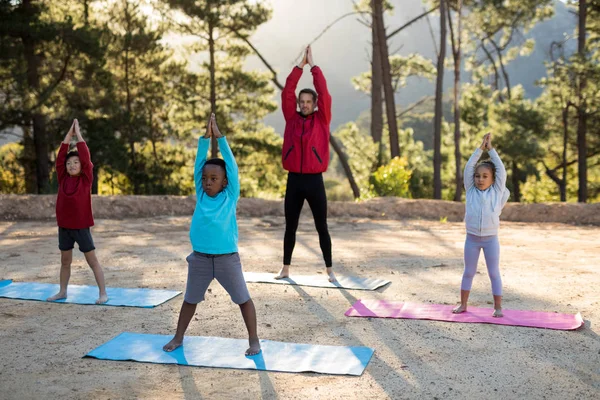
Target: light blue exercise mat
78, 294
218, 352
343, 282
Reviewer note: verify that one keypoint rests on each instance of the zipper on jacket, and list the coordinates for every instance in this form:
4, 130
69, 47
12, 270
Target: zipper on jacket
482, 203
288, 153
302, 145
317, 154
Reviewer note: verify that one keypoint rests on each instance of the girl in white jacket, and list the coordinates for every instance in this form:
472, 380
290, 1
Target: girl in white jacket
486, 195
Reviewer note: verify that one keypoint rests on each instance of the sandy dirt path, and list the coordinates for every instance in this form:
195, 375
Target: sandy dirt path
547, 267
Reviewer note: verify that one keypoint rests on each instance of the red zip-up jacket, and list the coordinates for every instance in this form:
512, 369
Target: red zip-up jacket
74, 201
306, 138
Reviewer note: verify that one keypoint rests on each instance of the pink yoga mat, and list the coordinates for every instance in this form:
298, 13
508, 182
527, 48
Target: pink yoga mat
440, 312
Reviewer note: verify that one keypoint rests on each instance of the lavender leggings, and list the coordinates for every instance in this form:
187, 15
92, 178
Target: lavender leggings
491, 251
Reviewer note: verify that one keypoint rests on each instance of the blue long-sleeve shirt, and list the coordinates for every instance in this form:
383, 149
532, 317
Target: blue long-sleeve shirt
214, 228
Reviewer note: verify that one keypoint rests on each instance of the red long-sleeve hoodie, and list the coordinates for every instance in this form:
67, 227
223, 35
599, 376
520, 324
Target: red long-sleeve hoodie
306, 138
74, 202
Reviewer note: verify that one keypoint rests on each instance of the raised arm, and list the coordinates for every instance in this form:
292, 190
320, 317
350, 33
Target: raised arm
85, 158
323, 95
288, 94
61, 168
469, 172
233, 179
500, 178
231, 168
203, 144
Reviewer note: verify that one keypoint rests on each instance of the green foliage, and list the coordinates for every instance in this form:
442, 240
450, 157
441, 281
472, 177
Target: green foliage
258, 154
140, 108
560, 104
540, 189
420, 163
362, 156
361, 152
167, 169
12, 174
42, 44
517, 127
392, 179
242, 98
112, 182
401, 68
338, 190
142, 104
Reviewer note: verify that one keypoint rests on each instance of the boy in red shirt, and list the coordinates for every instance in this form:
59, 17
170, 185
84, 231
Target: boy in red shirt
74, 211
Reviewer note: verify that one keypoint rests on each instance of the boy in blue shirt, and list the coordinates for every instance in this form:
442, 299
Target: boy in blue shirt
214, 237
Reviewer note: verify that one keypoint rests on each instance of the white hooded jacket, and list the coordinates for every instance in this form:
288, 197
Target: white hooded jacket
483, 207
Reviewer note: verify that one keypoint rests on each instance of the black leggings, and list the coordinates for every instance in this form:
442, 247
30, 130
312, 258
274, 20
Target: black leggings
309, 187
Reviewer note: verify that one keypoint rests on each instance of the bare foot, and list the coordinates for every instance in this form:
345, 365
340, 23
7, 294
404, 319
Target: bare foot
173, 344
497, 313
332, 277
459, 309
57, 296
254, 348
102, 299
284, 273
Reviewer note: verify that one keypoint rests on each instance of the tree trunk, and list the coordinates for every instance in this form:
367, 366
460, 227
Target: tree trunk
563, 183
437, 119
376, 94
28, 161
213, 89
581, 110
516, 181
502, 69
86, 12
390, 102
134, 177
38, 122
344, 161
95, 181
456, 54
41, 153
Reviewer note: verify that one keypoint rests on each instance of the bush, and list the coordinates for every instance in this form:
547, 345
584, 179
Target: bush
392, 179
12, 173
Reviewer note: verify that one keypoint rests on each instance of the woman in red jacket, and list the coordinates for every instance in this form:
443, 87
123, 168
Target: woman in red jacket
305, 156
74, 211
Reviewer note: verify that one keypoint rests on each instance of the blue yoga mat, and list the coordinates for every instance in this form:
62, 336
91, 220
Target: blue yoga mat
79, 294
343, 282
217, 352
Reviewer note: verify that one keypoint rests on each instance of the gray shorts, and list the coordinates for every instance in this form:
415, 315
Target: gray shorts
226, 268
68, 237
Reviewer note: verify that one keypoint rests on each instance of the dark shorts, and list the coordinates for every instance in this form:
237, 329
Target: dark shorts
225, 268
68, 237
